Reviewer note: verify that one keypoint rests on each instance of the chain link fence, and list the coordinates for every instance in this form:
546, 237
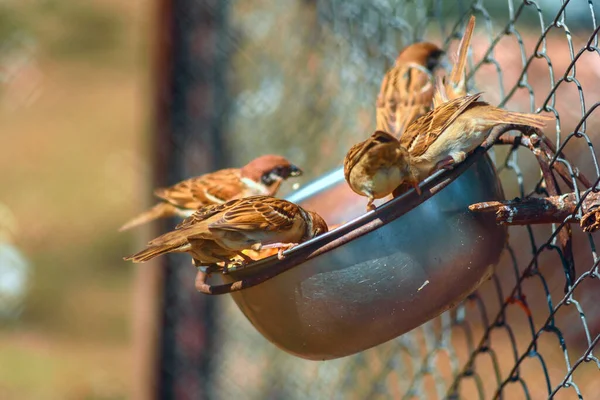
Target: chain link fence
300, 78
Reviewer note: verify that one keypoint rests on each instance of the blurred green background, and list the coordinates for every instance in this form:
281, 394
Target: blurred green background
74, 106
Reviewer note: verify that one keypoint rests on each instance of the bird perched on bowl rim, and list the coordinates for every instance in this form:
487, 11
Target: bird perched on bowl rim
447, 134
261, 176
370, 167
219, 232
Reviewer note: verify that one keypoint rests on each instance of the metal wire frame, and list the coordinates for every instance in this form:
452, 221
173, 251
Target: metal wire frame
533, 271
485, 347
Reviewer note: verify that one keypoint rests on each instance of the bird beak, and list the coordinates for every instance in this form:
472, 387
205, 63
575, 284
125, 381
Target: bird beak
295, 171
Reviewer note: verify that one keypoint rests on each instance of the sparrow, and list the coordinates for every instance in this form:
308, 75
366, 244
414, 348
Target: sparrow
377, 166
456, 83
220, 232
373, 168
411, 74
445, 135
261, 176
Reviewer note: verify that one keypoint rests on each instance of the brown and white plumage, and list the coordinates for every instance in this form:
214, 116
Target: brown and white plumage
375, 167
447, 134
407, 88
261, 176
222, 231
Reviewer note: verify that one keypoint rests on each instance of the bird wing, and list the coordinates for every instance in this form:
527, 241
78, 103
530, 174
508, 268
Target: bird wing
405, 94
267, 214
204, 213
424, 131
213, 188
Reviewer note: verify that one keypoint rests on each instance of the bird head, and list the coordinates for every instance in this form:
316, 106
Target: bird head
316, 225
270, 170
426, 54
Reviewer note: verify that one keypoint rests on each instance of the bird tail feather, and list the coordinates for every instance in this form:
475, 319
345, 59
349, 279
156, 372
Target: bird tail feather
154, 251
161, 210
459, 72
511, 117
455, 85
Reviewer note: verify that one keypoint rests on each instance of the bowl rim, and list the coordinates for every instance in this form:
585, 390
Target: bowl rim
385, 213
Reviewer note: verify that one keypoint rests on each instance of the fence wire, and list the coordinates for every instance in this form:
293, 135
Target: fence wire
302, 76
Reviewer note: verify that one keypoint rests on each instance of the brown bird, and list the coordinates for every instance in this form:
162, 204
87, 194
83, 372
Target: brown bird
377, 166
261, 176
219, 232
456, 84
447, 134
412, 74
374, 168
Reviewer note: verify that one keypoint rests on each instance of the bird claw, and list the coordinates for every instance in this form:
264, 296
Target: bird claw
288, 246
281, 247
370, 205
280, 255
417, 188
447, 163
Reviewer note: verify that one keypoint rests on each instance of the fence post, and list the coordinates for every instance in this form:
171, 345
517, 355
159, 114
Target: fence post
191, 105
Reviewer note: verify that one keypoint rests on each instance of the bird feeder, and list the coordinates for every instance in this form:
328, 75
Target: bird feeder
378, 276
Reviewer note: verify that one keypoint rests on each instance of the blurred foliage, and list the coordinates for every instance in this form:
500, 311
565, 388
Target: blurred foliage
86, 28
73, 118
11, 22
63, 28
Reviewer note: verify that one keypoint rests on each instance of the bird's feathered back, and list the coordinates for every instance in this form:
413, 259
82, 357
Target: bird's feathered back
407, 88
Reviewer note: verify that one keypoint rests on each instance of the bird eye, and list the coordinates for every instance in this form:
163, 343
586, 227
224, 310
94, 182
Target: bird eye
277, 171
434, 60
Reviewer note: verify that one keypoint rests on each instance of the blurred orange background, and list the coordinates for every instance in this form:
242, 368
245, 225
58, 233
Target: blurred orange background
73, 115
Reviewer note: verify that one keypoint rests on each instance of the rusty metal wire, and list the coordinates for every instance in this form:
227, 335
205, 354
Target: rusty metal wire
302, 78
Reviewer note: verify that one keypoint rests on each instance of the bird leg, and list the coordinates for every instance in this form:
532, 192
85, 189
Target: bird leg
281, 248
450, 161
370, 206
445, 163
415, 185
